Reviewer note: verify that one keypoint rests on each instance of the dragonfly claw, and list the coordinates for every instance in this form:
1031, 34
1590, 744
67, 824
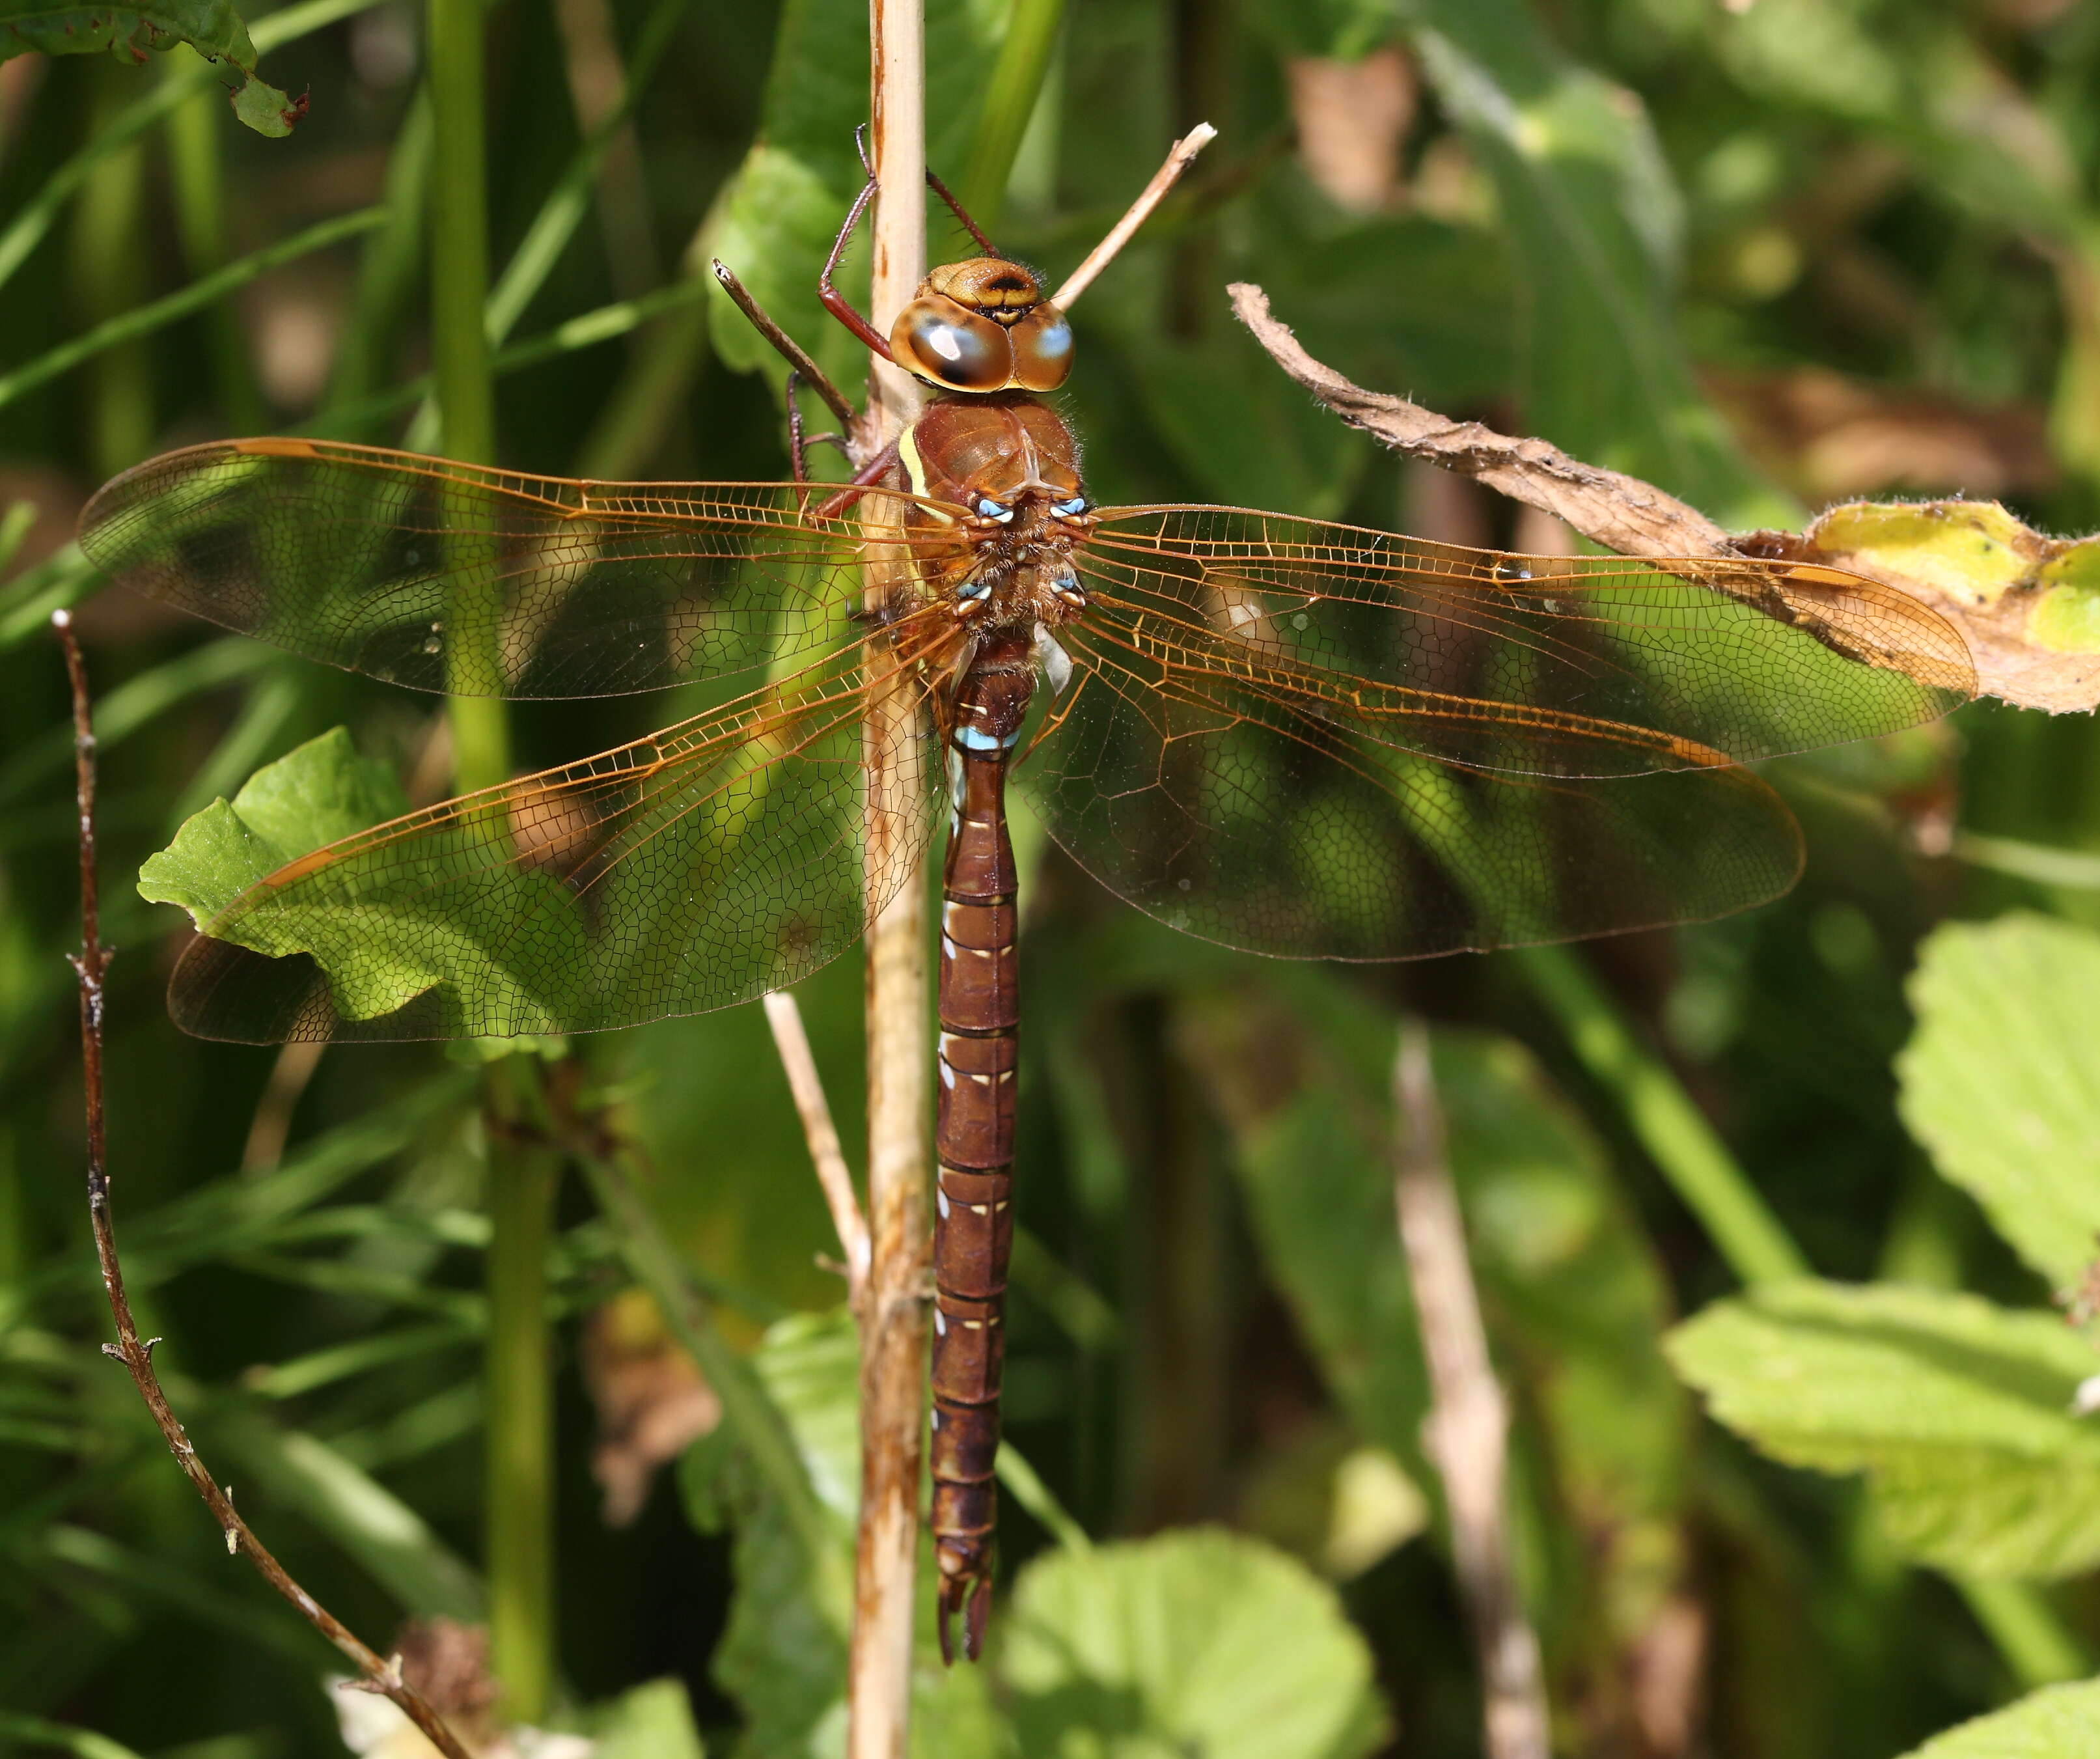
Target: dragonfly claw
970, 1599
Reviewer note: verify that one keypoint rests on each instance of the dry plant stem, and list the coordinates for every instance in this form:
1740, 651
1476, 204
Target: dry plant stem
135, 1354
1468, 1431
793, 1044
1184, 150
892, 1313
1622, 512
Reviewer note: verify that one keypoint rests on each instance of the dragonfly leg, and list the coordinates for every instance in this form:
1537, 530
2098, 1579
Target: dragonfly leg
799, 442
835, 302
784, 345
969, 224
868, 476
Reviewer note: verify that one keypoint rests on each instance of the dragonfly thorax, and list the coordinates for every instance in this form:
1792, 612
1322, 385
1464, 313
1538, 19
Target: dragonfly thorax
1010, 467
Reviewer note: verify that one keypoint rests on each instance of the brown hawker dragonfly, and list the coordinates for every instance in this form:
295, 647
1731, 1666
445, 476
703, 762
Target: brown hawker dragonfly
1302, 739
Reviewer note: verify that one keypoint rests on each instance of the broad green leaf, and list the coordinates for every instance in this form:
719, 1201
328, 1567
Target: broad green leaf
1958, 1411
652, 1721
211, 27
1197, 1641
2057, 1722
375, 962
2001, 1080
307, 799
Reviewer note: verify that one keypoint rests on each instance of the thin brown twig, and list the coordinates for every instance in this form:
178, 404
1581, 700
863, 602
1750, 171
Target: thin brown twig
1184, 150
792, 1043
91, 966
1466, 1433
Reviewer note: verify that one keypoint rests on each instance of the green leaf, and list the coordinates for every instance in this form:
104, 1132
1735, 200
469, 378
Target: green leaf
1198, 1641
2057, 1722
211, 27
307, 799
1958, 1411
1999, 1081
652, 1721
376, 961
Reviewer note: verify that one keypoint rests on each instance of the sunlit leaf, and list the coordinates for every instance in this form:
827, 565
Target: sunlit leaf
2057, 1722
652, 1721
1999, 1082
1196, 1640
309, 797
1959, 1413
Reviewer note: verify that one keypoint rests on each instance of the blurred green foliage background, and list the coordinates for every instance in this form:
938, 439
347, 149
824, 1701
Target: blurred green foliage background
1768, 254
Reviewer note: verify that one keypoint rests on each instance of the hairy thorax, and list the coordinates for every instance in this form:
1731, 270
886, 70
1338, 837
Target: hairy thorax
1012, 466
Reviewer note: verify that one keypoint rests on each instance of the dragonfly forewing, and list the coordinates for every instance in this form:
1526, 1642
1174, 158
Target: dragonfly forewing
447, 576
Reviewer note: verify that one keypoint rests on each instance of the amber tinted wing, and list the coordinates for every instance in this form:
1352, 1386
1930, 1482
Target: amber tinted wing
724, 856
446, 576
1581, 666
1243, 810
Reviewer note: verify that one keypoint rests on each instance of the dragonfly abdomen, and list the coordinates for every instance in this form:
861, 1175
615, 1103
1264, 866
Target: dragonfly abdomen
979, 1062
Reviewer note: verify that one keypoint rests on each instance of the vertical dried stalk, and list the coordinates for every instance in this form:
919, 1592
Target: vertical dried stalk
891, 1316
792, 1043
135, 1353
1468, 1433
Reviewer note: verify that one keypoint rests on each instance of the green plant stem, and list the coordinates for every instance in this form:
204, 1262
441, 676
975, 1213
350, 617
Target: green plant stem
2028, 1633
2034, 1641
1010, 101
522, 1176
519, 1491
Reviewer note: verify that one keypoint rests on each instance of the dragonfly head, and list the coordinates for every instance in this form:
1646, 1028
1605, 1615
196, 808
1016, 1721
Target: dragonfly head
981, 326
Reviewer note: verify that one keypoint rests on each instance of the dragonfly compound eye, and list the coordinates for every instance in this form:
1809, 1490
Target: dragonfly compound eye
1042, 343
951, 346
